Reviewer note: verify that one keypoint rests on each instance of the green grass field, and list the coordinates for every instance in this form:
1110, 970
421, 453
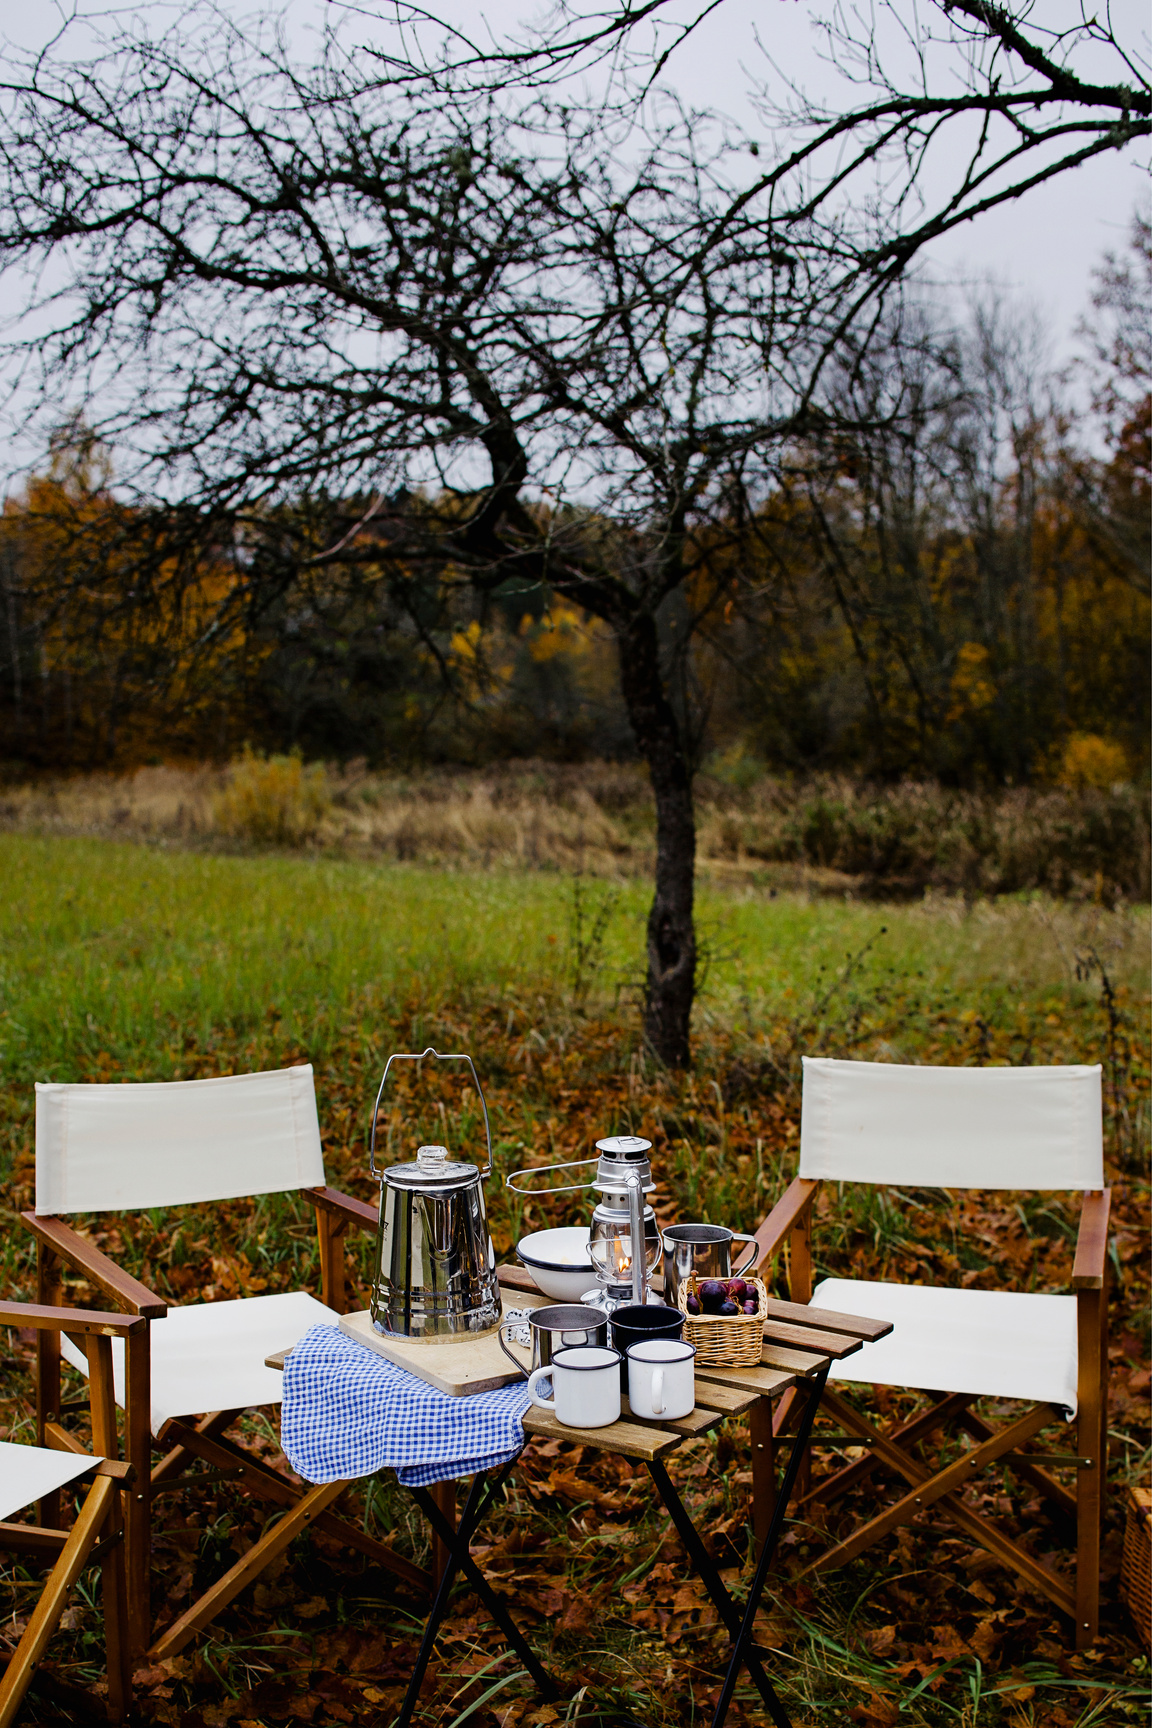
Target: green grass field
116, 954
122, 961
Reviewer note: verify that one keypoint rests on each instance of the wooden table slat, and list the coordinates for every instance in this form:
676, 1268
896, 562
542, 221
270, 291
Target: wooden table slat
827, 1320
833, 1344
729, 1400
763, 1381
627, 1438
519, 1278
698, 1421
797, 1361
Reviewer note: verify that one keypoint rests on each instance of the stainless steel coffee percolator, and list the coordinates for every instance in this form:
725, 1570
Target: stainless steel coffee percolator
435, 1273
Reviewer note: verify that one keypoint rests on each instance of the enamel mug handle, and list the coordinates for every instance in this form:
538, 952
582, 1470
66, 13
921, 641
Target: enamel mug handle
658, 1392
752, 1258
534, 1380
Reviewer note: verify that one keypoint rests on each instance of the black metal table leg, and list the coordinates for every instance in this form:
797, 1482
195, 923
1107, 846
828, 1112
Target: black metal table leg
542, 1679
744, 1637
714, 1584
439, 1604
481, 1495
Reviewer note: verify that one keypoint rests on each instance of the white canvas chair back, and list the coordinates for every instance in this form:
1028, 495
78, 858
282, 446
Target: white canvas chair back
884, 1122
102, 1148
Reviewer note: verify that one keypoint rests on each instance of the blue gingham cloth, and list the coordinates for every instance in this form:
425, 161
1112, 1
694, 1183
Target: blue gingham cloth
347, 1412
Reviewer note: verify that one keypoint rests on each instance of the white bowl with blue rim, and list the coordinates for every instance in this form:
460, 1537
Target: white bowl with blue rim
559, 1262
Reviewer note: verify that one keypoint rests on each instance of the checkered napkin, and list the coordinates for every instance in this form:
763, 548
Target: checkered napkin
347, 1412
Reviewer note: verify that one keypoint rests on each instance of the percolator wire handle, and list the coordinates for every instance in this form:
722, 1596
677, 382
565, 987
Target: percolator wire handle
441, 1056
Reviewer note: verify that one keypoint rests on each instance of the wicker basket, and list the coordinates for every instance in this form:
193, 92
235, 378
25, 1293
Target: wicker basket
1136, 1566
726, 1340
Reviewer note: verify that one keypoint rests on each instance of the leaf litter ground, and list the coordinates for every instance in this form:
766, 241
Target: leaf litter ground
923, 1629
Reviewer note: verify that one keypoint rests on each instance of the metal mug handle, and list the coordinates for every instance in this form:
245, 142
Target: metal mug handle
515, 1361
754, 1257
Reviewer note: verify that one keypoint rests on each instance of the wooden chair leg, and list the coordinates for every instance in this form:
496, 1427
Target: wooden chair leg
114, 1592
174, 1463
1055, 1492
930, 1488
138, 1507
1091, 1445
49, 1285
102, 1402
53, 1598
918, 1427
800, 1290
980, 1529
763, 1469
246, 1569
258, 1479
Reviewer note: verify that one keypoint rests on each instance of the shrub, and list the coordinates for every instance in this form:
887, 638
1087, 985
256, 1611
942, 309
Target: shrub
273, 800
1092, 761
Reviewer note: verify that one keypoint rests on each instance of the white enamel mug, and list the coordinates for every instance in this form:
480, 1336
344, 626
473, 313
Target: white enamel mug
661, 1378
585, 1386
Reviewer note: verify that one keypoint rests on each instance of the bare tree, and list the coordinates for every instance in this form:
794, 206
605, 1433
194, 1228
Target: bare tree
584, 334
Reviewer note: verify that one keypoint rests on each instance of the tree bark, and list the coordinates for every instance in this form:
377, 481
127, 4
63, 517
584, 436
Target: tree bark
671, 978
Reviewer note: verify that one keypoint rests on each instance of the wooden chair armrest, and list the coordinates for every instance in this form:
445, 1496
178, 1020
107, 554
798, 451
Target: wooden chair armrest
788, 1211
85, 1320
344, 1206
1092, 1242
125, 1474
86, 1258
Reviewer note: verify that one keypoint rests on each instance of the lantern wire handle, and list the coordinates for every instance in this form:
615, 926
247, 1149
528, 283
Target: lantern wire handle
545, 1170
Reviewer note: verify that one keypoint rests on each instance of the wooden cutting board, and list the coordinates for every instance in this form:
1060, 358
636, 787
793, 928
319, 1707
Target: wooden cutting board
463, 1367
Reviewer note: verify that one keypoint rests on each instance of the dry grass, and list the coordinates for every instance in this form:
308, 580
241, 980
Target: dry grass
824, 835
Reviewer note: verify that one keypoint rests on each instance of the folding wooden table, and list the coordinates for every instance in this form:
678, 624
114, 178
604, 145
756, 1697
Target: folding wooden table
800, 1345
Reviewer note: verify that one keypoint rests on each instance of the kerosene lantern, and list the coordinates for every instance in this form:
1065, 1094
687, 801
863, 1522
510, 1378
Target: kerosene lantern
622, 1217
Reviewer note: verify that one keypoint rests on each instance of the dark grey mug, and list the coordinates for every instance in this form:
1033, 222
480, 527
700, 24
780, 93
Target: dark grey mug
557, 1325
634, 1324
705, 1249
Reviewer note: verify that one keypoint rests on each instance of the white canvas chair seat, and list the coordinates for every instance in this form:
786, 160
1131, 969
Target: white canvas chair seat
29, 1473
210, 1355
992, 1343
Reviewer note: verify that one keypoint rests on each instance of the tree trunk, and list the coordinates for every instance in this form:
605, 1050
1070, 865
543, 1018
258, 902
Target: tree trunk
671, 980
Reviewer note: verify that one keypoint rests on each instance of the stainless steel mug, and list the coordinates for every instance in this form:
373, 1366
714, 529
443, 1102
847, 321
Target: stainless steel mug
705, 1249
559, 1325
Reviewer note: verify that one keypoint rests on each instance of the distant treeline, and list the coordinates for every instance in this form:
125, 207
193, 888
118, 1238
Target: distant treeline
959, 594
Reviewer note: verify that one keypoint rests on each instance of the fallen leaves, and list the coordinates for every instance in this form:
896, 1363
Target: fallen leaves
583, 1553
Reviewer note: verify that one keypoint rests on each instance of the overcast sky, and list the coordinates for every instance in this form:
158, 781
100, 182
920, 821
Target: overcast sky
1044, 245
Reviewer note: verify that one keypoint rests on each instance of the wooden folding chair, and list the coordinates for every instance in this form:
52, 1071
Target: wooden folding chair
38, 1473
182, 1383
1014, 1128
